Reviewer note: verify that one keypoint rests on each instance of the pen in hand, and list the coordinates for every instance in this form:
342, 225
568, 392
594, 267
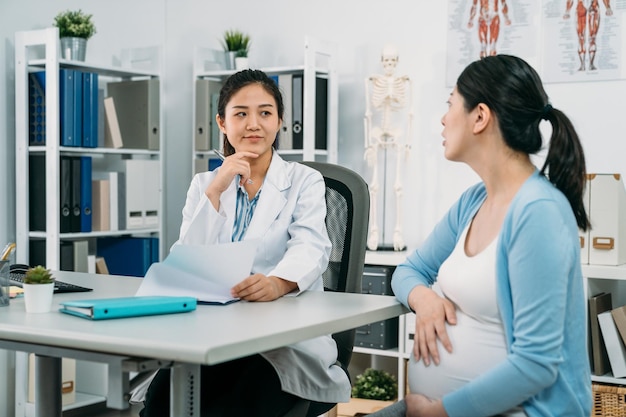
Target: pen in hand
221, 156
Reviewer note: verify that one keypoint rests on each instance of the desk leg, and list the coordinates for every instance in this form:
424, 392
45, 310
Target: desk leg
185, 390
48, 402
119, 387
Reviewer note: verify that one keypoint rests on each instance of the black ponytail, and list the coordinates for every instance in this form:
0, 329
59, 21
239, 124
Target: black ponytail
565, 164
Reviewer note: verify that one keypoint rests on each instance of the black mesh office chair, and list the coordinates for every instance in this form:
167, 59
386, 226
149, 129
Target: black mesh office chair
347, 205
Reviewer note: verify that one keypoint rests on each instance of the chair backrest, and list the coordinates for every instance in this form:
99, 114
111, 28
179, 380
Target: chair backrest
347, 216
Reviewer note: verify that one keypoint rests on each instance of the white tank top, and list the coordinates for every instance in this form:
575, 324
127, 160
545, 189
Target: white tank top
478, 341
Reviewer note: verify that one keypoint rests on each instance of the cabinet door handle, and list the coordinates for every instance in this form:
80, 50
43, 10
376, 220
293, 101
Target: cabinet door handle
603, 243
67, 386
582, 242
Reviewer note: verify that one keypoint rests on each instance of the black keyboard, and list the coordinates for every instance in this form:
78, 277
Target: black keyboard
17, 279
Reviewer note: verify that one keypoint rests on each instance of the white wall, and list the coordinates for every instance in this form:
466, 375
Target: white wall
359, 28
278, 28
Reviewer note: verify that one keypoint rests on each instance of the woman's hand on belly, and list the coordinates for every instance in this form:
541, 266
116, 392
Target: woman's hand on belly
431, 314
419, 406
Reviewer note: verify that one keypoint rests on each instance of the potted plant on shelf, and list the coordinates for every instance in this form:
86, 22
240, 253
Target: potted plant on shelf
373, 390
38, 289
75, 27
236, 44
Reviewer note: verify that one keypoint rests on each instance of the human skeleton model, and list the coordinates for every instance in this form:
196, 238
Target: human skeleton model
592, 13
387, 95
488, 24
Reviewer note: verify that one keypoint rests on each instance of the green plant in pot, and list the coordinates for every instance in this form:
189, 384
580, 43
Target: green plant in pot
75, 24
38, 275
236, 44
38, 290
375, 384
75, 27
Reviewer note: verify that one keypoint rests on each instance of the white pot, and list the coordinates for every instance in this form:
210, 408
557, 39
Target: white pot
241, 63
38, 297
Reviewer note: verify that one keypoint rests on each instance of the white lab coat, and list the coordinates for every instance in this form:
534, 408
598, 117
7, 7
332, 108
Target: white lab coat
290, 221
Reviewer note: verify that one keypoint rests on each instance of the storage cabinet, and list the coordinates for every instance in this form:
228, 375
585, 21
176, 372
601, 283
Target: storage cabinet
380, 265
299, 139
38, 52
610, 279
381, 334
598, 278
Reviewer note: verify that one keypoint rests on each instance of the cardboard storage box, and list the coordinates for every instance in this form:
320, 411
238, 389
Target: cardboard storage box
382, 334
607, 212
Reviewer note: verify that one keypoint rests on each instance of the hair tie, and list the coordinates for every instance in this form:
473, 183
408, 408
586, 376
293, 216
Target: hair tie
546, 111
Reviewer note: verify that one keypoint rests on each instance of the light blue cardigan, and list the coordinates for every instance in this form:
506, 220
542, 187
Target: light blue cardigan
540, 297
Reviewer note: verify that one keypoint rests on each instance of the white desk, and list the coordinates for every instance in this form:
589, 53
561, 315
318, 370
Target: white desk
209, 335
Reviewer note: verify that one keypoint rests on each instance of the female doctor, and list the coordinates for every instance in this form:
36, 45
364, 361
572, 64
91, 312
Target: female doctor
256, 194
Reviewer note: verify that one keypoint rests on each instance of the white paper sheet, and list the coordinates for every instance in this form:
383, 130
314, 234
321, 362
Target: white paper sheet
205, 272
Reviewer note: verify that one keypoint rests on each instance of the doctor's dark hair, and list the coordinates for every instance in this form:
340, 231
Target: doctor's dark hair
512, 89
236, 82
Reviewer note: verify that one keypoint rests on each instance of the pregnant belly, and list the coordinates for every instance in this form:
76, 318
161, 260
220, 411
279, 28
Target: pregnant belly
476, 347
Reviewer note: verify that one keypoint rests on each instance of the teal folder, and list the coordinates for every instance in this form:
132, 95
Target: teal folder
113, 308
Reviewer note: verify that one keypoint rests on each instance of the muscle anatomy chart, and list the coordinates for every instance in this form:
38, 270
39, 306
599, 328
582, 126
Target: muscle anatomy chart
478, 28
583, 40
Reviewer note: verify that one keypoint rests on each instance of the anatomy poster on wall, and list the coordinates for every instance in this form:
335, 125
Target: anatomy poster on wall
477, 28
583, 40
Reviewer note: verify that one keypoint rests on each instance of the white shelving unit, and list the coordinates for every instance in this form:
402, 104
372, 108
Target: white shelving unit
28, 46
383, 258
606, 278
35, 51
319, 61
598, 278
